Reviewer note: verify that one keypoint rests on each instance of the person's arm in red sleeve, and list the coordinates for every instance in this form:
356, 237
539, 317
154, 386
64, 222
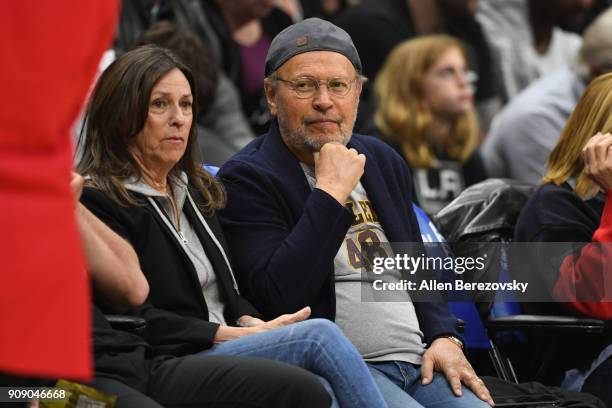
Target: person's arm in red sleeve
584, 275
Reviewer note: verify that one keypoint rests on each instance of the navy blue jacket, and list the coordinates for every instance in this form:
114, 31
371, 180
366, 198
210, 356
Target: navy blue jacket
284, 236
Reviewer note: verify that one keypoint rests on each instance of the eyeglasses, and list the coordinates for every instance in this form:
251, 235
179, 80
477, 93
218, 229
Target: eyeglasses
449, 73
306, 87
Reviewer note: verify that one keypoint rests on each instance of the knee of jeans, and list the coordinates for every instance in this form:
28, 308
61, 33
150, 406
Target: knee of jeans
323, 328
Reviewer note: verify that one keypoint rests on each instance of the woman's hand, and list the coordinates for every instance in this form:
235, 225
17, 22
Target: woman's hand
598, 160
252, 325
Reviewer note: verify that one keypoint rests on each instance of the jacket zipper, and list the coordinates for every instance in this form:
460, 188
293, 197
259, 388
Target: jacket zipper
215, 240
183, 241
177, 233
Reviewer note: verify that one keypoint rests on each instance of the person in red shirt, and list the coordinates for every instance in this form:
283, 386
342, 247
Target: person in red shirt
575, 205
51, 52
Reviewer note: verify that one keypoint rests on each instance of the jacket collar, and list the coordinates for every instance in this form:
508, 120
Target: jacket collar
178, 183
276, 152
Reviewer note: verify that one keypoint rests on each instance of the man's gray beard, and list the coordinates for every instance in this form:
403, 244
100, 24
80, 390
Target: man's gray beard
299, 136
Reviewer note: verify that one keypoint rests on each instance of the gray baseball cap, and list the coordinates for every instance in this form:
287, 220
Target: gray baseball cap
312, 34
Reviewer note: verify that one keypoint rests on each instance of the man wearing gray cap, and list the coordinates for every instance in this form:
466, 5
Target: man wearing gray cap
302, 198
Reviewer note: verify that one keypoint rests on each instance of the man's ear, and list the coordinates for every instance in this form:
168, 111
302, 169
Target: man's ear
270, 90
360, 84
358, 89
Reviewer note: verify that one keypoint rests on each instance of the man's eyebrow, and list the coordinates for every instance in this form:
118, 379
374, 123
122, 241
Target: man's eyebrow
302, 75
310, 76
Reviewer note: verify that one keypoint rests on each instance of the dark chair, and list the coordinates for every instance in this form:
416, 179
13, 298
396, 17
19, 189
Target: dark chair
486, 213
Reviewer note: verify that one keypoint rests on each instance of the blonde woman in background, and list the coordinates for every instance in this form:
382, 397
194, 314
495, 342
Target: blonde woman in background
426, 111
574, 204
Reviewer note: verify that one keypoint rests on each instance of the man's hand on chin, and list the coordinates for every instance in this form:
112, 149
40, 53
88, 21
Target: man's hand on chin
338, 170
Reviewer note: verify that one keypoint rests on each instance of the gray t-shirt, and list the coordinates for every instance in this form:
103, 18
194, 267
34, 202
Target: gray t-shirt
380, 330
189, 241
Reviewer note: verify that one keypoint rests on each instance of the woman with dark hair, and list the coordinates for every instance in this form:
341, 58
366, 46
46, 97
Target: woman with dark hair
216, 143
142, 180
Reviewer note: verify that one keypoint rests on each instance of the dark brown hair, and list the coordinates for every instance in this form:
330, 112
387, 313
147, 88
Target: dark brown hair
117, 112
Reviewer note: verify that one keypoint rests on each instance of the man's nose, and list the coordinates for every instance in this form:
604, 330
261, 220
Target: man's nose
321, 100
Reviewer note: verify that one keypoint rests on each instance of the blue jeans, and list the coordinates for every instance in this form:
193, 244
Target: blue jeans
400, 383
319, 346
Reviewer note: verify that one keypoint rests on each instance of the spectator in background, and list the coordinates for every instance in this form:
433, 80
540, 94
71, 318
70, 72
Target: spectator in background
239, 34
252, 25
575, 205
293, 8
568, 207
135, 18
598, 7
377, 26
426, 112
524, 133
214, 148
325, 9
531, 38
